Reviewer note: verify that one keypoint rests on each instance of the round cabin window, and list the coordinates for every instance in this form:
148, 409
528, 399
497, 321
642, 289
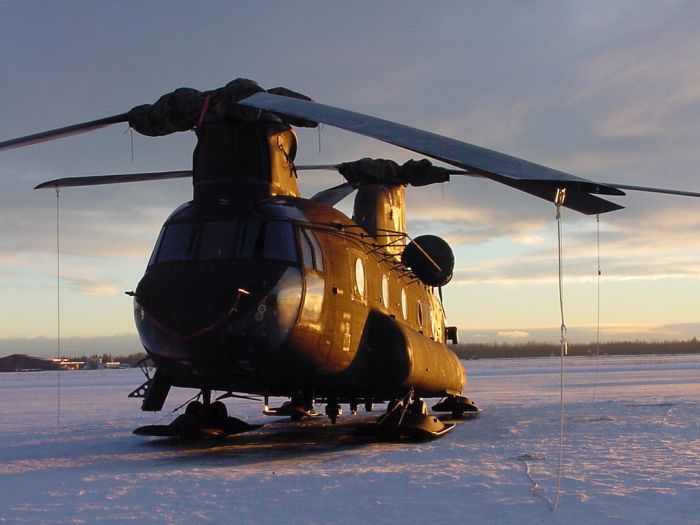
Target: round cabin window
385, 291
404, 304
360, 276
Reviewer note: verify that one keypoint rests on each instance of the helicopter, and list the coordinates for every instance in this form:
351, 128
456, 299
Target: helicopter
253, 290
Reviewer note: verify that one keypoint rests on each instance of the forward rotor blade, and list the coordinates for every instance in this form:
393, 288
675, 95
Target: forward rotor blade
654, 190
60, 133
98, 180
535, 179
649, 189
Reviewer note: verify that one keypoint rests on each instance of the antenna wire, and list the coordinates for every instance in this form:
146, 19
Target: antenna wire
597, 339
58, 309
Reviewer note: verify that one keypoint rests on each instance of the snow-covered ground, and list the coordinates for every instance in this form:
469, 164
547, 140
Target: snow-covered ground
631, 454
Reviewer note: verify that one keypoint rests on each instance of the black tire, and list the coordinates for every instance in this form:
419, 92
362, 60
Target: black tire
194, 408
217, 411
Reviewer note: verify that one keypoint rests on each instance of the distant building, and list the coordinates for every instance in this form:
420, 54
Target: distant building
97, 363
67, 364
93, 363
26, 363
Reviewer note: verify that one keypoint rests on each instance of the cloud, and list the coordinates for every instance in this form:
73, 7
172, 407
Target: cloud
117, 220
648, 83
528, 270
80, 276
93, 287
514, 334
588, 333
463, 216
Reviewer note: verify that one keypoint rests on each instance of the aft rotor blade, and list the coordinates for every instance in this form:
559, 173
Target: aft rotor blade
316, 167
334, 195
98, 180
60, 133
535, 179
334, 167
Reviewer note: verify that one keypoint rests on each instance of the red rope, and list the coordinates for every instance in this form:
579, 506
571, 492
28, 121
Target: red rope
205, 108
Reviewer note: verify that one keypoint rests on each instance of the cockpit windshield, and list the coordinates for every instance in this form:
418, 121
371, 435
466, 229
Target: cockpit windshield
226, 240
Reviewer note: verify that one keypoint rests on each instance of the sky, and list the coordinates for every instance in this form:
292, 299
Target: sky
609, 91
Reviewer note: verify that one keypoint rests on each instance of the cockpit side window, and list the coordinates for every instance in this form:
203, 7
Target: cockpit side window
156, 248
307, 254
176, 242
318, 254
310, 251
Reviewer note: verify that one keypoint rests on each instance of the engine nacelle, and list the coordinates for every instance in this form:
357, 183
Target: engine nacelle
431, 259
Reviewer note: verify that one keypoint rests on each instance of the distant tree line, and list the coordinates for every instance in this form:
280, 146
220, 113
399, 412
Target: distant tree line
505, 350
534, 349
131, 359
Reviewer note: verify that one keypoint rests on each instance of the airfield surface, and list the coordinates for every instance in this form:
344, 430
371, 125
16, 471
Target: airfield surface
631, 454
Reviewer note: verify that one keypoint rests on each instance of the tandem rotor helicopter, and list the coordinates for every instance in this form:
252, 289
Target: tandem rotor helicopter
253, 290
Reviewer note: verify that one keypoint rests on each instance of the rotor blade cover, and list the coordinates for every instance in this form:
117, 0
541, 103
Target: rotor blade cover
383, 171
184, 108
179, 110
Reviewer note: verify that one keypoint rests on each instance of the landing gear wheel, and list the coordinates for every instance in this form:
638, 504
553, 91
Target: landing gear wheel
459, 407
418, 406
200, 420
194, 408
408, 417
333, 410
217, 411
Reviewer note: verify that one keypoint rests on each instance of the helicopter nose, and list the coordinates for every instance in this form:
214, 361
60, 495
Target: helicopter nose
181, 306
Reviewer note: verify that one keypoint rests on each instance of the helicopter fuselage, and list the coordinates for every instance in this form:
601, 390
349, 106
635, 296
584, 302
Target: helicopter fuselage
286, 296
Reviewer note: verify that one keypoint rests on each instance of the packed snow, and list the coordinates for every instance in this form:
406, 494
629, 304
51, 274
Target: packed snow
631, 454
